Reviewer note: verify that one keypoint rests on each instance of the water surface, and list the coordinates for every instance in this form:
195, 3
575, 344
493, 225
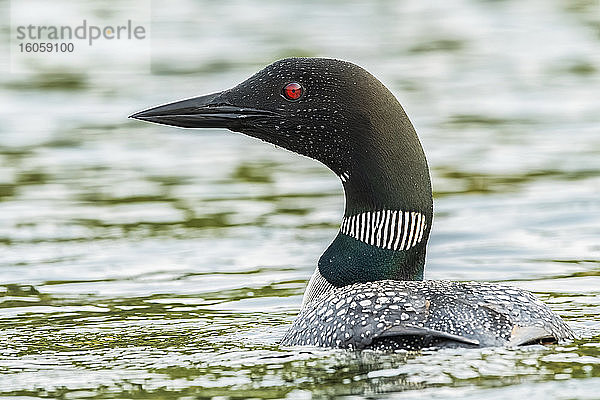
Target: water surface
142, 261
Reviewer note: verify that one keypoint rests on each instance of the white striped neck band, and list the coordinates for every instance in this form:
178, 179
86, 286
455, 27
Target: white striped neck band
387, 229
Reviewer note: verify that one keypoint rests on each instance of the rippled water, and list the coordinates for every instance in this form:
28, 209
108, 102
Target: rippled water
143, 261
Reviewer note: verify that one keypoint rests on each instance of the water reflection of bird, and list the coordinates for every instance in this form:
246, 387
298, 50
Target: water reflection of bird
367, 290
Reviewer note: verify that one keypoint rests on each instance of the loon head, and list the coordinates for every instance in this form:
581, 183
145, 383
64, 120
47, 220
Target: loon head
339, 114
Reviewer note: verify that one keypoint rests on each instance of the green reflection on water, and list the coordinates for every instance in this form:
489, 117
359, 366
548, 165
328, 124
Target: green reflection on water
70, 81
481, 183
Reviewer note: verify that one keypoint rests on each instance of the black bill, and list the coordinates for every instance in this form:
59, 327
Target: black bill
202, 112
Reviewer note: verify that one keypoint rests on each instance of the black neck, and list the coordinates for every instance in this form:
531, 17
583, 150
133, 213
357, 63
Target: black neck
386, 177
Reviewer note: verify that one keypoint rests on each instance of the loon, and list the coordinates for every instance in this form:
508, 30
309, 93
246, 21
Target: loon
367, 291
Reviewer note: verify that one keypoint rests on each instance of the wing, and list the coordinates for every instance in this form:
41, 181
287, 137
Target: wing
522, 335
411, 314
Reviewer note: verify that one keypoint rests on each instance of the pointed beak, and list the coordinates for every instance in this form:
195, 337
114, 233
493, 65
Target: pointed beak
202, 112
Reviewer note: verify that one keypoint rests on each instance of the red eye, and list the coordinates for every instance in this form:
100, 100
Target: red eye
292, 91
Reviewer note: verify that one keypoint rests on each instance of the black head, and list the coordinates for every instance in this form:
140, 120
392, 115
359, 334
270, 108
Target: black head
325, 109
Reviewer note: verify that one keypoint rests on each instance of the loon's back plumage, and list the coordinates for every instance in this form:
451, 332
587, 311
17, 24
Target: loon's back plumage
341, 115
416, 314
